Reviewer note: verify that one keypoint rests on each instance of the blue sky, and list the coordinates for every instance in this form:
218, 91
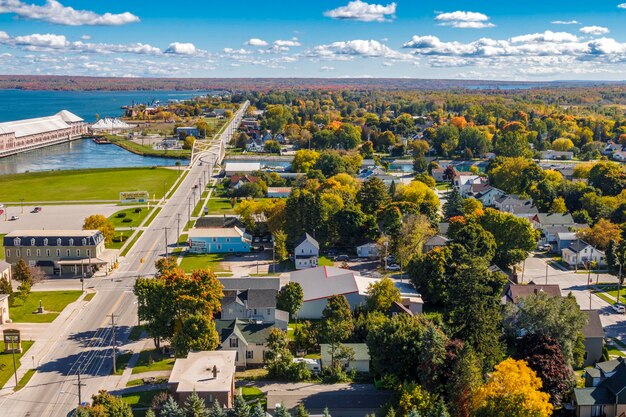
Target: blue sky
538, 40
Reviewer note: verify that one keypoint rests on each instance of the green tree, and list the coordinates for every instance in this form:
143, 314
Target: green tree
608, 177
101, 223
513, 145
272, 146
465, 379
558, 206
216, 409
7, 288
171, 409
301, 411
474, 238
541, 314
257, 410
515, 237
381, 295
454, 205
337, 324
373, 195
189, 142
112, 406
195, 406
429, 274
446, 139
290, 298
514, 175
473, 308
22, 274
280, 245
197, 332
281, 411
348, 136
240, 408
414, 232
420, 164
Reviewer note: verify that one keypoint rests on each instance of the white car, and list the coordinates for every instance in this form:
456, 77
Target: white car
619, 308
393, 267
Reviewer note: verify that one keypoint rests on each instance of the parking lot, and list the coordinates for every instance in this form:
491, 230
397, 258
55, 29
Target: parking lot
52, 217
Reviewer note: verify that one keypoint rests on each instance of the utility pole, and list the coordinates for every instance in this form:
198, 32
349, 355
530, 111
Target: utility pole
113, 340
166, 245
189, 210
546, 273
80, 390
178, 235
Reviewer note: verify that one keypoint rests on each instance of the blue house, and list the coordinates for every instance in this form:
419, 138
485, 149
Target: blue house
219, 240
187, 131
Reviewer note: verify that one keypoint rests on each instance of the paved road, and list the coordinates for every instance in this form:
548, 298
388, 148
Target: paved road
576, 283
81, 341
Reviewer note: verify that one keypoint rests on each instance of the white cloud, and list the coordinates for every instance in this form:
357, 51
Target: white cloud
464, 20
240, 51
547, 36
363, 12
565, 22
256, 42
327, 68
46, 40
178, 48
594, 30
54, 12
347, 50
85, 37
287, 43
622, 5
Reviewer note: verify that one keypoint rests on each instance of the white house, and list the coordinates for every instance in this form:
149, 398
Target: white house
319, 284
463, 182
488, 195
557, 154
578, 253
369, 250
241, 168
307, 252
360, 362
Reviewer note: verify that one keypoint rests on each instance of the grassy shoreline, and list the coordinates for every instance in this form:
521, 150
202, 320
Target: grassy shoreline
143, 150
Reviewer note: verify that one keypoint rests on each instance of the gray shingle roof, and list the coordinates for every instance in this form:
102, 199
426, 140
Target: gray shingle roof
593, 328
231, 283
306, 237
257, 298
247, 331
593, 396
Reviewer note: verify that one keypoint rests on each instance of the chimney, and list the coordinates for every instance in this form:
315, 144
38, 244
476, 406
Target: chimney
214, 371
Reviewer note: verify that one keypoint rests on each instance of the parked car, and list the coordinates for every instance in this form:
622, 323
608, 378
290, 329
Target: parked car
14, 218
257, 239
619, 308
393, 267
37, 210
390, 259
342, 258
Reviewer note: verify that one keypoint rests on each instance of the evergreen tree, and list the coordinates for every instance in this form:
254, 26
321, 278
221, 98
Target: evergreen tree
7, 288
195, 406
171, 409
281, 412
257, 411
301, 411
326, 413
240, 408
216, 410
150, 413
454, 205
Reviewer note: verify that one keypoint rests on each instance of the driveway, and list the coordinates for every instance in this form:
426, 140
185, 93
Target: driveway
343, 400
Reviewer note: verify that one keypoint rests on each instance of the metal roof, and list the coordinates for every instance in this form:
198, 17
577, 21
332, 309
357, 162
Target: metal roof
28, 127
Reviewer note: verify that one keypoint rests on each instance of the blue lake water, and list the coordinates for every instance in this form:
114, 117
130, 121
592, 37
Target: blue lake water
20, 104
79, 154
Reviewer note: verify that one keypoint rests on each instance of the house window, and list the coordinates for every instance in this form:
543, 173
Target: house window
89, 253
269, 311
38, 252
597, 410
45, 242
8, 252
59, 252
27, 252
17, 241
78, 252
48, 253
227, 240
255, 311
84, 242
71, 242
32, 242
234, 342
59, 242
17, 253
249, 354
69, 253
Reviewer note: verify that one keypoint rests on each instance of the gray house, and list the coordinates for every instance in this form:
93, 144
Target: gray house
255, 305
604, 393
594, 338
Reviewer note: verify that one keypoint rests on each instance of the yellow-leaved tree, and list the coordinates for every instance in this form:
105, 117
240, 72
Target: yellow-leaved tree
514, 390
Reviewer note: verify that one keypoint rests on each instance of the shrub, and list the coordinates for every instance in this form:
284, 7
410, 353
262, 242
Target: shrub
138, 210
127, 220
121, 215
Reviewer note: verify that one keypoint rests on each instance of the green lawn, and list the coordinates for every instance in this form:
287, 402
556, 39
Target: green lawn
324, 261
1, 246
152, 216
251, 374
122, 217
254, 394
24, 380
220, 206
120, 363
147, 150
196, 211
6, 361
89, 296
92, 184
119, 239
141, 399
53, 302
132, 242
152, 360
192, 261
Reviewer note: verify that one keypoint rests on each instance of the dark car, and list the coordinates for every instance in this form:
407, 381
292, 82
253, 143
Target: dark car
342, 258
37, 210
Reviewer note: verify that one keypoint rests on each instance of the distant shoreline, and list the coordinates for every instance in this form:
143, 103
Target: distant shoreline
104, 84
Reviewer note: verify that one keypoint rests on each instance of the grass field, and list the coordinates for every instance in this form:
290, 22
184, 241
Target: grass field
6, 361
24, 380
146, 150
94, 184
191, 262
53, 302
254, 394
220, 206
324, 261
152, 360
89, 296
122, 217
141, 399
119, 239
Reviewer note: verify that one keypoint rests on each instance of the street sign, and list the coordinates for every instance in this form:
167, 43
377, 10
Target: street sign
12, 341
134, 196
